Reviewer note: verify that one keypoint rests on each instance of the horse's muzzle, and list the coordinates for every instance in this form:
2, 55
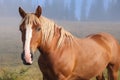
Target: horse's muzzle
23, 58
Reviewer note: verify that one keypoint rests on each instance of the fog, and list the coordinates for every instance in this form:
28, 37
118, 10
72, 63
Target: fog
75, 10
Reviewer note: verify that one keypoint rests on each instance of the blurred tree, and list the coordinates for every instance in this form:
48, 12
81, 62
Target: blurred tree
71, 12
83, 10
97, 11
114, 11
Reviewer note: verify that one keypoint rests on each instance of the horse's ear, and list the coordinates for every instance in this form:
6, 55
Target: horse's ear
38, 11
22, 12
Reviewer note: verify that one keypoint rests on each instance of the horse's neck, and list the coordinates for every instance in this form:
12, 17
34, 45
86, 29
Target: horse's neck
59, 36
46, 45
60, 40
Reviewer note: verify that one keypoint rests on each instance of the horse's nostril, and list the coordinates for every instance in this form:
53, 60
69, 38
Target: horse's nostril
22, 56
31, 56
27, 63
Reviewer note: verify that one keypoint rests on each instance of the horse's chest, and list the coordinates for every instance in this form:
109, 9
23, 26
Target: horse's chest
56, 67
46, 68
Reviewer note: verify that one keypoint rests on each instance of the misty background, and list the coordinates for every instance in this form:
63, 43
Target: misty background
75, 10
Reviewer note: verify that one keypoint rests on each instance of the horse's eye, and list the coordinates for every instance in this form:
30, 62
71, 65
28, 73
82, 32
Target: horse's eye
38, 29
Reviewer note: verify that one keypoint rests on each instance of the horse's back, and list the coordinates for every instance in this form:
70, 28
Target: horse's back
108, 42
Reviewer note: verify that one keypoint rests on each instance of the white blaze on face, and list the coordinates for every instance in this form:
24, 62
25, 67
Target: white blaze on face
27, 43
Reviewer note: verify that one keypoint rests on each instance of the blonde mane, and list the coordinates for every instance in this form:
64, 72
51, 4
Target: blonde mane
48, 28
64, 34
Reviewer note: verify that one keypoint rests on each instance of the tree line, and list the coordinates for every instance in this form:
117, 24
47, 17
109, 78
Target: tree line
84, 10
96, 12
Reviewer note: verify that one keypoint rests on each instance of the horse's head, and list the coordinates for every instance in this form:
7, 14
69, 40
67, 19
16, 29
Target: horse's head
30, 28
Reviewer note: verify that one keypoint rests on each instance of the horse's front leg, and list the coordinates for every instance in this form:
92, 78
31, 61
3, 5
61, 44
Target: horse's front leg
45, 78
75, 77
100, 77
113, 72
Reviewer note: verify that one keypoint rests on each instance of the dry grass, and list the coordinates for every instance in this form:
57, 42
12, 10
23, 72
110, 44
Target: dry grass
20, 72
11, 67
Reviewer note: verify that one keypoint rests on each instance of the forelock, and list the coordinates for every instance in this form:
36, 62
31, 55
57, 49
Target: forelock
30, 19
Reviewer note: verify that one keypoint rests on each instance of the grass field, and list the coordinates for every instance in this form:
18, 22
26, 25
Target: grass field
11, 67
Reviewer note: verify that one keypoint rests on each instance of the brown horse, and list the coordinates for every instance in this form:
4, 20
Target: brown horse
64, 56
